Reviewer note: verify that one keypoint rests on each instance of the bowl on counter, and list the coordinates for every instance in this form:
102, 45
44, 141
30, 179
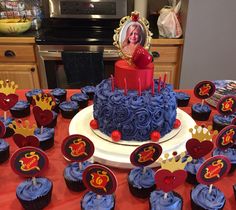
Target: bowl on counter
14, 26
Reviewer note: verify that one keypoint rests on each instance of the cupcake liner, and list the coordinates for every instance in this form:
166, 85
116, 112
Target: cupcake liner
76, 186
217, 126
191, 179
9, 132
20, 113
61, 98
82, 104
47, 144
182, 102
201, 116
4, 155
69, 114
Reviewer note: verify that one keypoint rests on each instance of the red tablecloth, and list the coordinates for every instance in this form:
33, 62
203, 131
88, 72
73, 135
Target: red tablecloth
62, 198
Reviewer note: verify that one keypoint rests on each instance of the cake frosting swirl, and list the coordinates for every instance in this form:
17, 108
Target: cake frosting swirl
6, 121
193, 166
158, 202
28, 191
45, 135
201, 108
225, 120
182, 96
201, 196
69, 105
33, 92
3, 145
230, 153
91, 201
58, 91
88, 89
79, 97
21, 105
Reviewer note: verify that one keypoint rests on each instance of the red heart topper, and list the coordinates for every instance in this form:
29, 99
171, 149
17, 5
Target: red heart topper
43, 117
198, 149
7, 101
22, 141
2, 129
141, 57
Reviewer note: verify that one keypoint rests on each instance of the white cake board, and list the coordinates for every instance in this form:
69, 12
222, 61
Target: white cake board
118, 154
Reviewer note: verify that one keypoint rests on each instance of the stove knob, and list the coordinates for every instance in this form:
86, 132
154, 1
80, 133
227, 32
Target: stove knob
32, 69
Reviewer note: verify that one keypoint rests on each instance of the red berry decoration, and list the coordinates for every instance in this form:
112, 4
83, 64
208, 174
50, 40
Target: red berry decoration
141, 57
177, 123
155, 136
116, 135
94, 124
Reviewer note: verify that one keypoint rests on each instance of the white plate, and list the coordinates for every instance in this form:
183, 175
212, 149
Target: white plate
117, 155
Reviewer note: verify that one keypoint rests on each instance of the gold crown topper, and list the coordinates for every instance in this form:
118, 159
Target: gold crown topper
44, 101
202, 134
175, 163
8, 87
23, 128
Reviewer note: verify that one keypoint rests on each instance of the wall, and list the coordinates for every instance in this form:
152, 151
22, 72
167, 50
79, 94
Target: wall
210, 42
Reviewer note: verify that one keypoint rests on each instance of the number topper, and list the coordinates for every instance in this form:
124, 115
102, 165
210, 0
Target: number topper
204, 89
29, 162
213, 169
99, 179
226, 137
227, 105
145, 154
77, 148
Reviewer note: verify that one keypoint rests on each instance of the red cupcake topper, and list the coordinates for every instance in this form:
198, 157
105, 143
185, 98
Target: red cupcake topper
24, 134
227, 137
2, 129
8, 98
77, 148
29, 162
204, 89
213, 169
145, 154
227, 105
171, 174
99, 179
201, 143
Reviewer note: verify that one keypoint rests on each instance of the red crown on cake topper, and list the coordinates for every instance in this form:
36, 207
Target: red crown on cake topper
135, 15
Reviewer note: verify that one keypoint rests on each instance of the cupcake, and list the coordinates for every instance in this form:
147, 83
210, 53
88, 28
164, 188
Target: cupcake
91, 201
69, 109
81, 99
31, 93
7, 122
141, 183
55, 108
88, 90
219, 121
4, 151
191, 168
59, 93
201, 199
46, 138
21, 109
34, 197
157, 201
201, 112
73, 176
53, 123
230, 153
182, 99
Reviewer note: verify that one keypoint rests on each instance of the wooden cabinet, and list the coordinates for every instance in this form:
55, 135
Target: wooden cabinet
18, 61
169, 61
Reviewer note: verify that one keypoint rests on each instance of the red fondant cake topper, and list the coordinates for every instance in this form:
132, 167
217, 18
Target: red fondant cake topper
213, 169
227, 137
99, 179
227, 105
43, 117
145, 154
77, 148
29, 162
204, 89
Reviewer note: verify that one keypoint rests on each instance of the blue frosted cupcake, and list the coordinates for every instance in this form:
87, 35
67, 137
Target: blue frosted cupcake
73, 176
4, 151
141, 184
34, 197
219, 121
7, 122
21, 109
89, 90
46, 138
157, 201
91, 201
201, 199
182, 99
201, 112
59, 93
29, 95
81, 98
69, 109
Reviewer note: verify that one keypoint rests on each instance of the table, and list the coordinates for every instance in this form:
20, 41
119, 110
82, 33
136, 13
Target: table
63, 198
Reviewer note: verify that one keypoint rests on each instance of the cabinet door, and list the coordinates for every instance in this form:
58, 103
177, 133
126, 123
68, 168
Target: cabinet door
168, 69
26, 76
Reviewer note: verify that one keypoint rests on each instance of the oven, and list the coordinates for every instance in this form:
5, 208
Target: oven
87, 26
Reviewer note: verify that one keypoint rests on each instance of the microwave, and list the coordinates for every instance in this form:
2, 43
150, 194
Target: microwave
90, 9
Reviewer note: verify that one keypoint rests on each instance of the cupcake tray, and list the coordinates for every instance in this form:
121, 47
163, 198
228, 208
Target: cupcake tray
117, 154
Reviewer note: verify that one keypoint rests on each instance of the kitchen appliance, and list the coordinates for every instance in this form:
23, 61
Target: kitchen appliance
82, 25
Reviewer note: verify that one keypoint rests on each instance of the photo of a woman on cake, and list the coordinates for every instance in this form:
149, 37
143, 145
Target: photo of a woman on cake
134, 36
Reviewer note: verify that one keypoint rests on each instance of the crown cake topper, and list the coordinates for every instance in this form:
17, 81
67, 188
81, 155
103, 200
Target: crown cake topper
8, 87
44, 101
202, 134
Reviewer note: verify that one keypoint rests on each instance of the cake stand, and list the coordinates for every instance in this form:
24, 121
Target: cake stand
117, 154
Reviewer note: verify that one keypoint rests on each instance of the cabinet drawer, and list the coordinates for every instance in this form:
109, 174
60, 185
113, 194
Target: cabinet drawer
17, 53
167, 54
